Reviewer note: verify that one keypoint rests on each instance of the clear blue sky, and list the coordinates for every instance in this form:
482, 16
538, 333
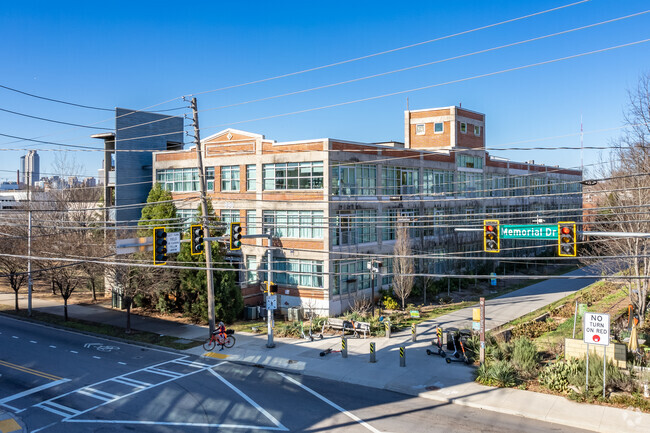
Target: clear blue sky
138, 54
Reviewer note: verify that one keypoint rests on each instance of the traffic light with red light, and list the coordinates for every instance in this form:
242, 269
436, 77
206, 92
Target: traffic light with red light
566, 242
491, 242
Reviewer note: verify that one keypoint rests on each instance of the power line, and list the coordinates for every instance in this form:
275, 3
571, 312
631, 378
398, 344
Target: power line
51, 120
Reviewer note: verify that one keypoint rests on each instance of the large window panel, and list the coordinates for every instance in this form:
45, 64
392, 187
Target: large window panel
230, 178
294, 224
298, 175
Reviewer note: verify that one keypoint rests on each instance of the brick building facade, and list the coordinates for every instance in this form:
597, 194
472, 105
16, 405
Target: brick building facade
334, 204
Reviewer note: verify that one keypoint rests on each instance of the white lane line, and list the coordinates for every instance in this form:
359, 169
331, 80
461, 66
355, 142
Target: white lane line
163, 372
121, 363
33, 390
32, 341
52, 347
180, 424
331, 403
131, 382
74, 351
10, 407
13, 336
67, 411
97, 396
97, 357
250, 401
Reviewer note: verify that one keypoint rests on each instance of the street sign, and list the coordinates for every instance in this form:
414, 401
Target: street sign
528, 231
596, 329
476, 326
272, 302
493, 280
173, 242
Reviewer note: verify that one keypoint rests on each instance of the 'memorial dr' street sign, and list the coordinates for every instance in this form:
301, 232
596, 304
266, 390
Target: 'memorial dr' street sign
528, 231
595, 329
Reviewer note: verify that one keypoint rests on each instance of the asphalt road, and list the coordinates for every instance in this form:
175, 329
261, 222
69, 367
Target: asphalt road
60, 381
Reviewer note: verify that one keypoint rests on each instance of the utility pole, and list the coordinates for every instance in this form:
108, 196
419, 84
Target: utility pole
29, 243
204, 209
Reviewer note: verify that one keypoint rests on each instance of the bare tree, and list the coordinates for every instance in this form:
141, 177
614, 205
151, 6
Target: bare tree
13, 269
623, 199
131, 281
403, 264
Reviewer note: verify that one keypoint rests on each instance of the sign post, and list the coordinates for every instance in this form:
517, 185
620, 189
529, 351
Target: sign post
482, 335
595, 330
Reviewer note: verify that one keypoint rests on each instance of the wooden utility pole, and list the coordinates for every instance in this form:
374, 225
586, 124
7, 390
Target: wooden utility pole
204, 209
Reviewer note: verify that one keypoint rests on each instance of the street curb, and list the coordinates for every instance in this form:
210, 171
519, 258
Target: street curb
92, 334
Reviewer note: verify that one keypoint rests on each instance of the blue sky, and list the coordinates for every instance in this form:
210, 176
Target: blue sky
139, 54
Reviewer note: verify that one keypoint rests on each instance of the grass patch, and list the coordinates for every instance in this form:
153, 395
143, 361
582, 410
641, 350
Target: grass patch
248, 325
100, 329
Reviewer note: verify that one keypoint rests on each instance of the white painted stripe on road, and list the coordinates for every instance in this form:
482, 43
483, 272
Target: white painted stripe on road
33, 390
97, 396
131, 382
163, 372
53, 347
97, 391
10, 407
121, 363
32, 341
74, 351
179, 424
250, 401
331, 403
13, 336
194, 364
47, 406
97, 357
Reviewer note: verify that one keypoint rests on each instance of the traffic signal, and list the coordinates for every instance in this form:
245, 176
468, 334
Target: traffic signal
159, 246
235, 236
566, 243
491, 242
196, 231
273, 288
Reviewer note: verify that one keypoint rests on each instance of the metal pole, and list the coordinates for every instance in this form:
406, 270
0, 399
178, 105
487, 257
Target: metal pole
575, 318
482, 332
587, 374
269, 313
402, 357
344, 347
372, 287
604, 368
372, 353
204, 209
29, 251
414, 332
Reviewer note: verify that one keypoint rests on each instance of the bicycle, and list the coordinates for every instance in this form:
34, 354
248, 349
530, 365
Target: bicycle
216, 338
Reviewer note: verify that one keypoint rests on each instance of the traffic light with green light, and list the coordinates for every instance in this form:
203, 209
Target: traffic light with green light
235, 236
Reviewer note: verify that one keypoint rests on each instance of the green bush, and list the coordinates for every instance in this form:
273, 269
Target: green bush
525, 357
289, 329
499, 373
556, 376
615, 378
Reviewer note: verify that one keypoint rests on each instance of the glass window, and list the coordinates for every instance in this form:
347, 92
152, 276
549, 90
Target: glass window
419, 129
355, 227
469, 161
294, 272
251, 177
294, 224
357, 179
299, 175
230, 178
187, 216
437, 181
178, 179
438, 128
477, 131
252, 224
209, 178
230, 216
251, 269
463, 127
399, 180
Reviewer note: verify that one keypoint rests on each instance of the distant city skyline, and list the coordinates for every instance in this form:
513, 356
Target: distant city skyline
529, 105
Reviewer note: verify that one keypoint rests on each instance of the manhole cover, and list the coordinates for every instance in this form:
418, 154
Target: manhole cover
433, 388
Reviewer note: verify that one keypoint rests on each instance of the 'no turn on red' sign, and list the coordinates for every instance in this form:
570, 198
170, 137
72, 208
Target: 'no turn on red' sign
596, 329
